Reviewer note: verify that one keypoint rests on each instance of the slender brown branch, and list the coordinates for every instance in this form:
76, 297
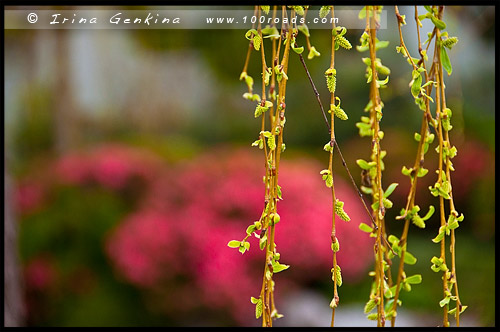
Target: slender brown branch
316, 93
335, 144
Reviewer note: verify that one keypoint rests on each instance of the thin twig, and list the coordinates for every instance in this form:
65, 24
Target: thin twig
316, 93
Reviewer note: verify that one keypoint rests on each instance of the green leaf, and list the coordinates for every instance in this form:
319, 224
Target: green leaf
298, 50
429, 213
258, 306
364, 129
416, 83
381, 44
251, 96
313, 53
250, 229
363, 164
278, 267
423, 17
370, 305
275, 218
414, 279
390, 313
327, 177
266, 133
262, 242
387, 291
436, 261
329, 181
435, 268
438, 23
278, 191
390, 189
454, 310
259, 109
304, 29
393, 239
249, 81
244, 246
409, 259
258, 143
393, 291
406, 171
234, 244
453, 225
248, 34
382, 84
362, 13
441, 189
445, 61
444, 301
440, 235
270, 31
336, 245
271, 142
328, 147
422, 172
324, 172
387, 203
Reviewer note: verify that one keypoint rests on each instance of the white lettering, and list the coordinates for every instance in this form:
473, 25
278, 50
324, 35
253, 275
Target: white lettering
115, 19
54, 21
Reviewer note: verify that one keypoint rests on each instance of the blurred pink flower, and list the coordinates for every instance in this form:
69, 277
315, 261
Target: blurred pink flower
40, 273
28, 196
73, 168
110, 165
210, 200
144, 248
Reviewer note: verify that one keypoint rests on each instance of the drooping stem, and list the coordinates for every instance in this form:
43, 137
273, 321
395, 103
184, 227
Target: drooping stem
273, 161
417, 164
330, 168
249, 51
437, 71
450, 278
